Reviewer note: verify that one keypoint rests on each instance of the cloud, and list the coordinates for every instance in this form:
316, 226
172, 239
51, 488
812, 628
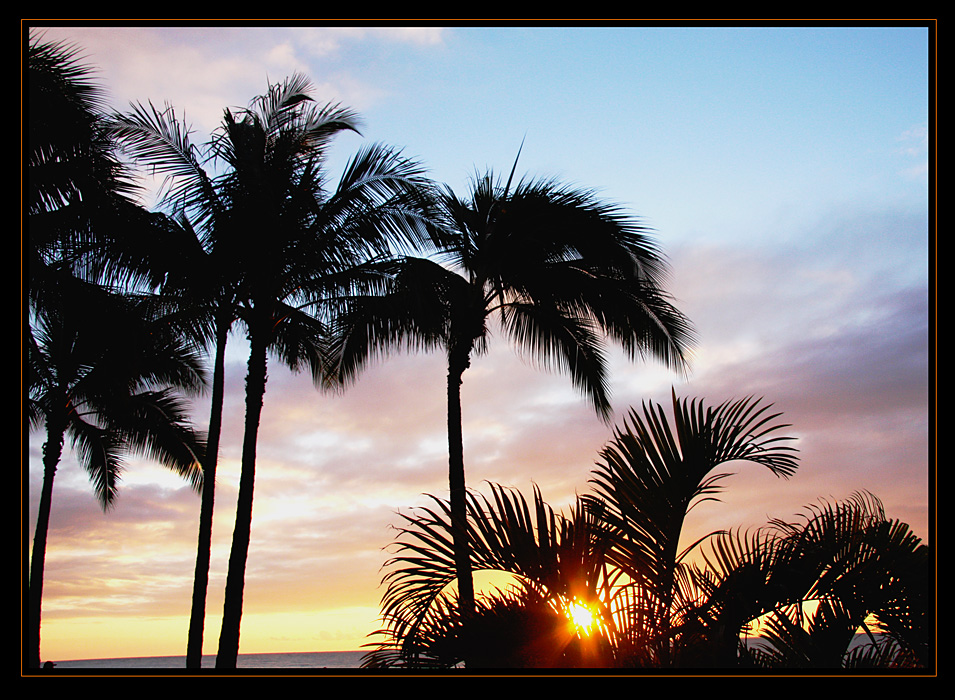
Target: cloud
201, 70
914, 146
833, 327
915, 141
322, 41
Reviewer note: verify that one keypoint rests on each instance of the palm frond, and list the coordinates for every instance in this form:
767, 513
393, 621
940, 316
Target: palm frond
301, 341
161, 140
93, 354
383, 199
100, 451
413, 311
156, 425
653, 473
556, 560
565, 342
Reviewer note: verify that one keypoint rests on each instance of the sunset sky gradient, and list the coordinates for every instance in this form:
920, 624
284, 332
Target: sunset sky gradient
786, 171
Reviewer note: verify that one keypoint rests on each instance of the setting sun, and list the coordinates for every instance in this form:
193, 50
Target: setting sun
582, 616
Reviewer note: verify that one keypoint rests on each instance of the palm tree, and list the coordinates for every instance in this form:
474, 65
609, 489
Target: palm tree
101, 371
561, 271
557, 561
81, 216
812, 585
279, 244
649, 478
808, 587
200, 285
615, 553
204, 297
81, 225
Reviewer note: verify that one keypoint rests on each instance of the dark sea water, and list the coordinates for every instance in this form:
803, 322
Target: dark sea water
315, 660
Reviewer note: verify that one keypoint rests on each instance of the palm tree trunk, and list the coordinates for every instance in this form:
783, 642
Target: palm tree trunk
458, 361
228, 651
52, 451
664, 597
204, 551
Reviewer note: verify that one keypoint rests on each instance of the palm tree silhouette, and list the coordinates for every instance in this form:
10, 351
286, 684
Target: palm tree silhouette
556, 560
811, 585
616, 551
279, 245
201, 286
102, 370
561, 271
650, 476
80, 220
204, 301
200, 282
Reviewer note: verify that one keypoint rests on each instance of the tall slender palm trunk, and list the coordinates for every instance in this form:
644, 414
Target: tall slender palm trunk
52, 451
228, 651
665, 591
204, 551
459, 361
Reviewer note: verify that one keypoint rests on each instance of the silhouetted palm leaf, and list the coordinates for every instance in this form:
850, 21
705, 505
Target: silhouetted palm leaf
816, 584
653, 473
555, 559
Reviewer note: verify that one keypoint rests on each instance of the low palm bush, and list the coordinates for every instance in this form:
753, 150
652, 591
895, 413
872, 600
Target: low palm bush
789, 595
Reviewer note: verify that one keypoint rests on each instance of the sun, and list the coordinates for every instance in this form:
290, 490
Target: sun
582, 616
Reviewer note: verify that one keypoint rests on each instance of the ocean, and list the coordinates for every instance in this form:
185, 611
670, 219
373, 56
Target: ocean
316, 660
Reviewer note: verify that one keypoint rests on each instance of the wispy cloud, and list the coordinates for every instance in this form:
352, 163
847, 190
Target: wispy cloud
914, 144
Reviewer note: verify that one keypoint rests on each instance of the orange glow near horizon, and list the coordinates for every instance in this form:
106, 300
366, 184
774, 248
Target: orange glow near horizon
344, 629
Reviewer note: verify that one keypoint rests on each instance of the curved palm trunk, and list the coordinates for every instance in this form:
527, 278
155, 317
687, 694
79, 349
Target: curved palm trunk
204, 551
458, 361
52, 451
228, 651
665, 593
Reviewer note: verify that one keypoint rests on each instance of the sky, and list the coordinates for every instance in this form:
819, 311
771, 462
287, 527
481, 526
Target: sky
786, 174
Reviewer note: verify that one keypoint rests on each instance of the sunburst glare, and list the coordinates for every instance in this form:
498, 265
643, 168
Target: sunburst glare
582, 616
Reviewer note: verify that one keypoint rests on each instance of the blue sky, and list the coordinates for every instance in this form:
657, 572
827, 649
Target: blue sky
786, 172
